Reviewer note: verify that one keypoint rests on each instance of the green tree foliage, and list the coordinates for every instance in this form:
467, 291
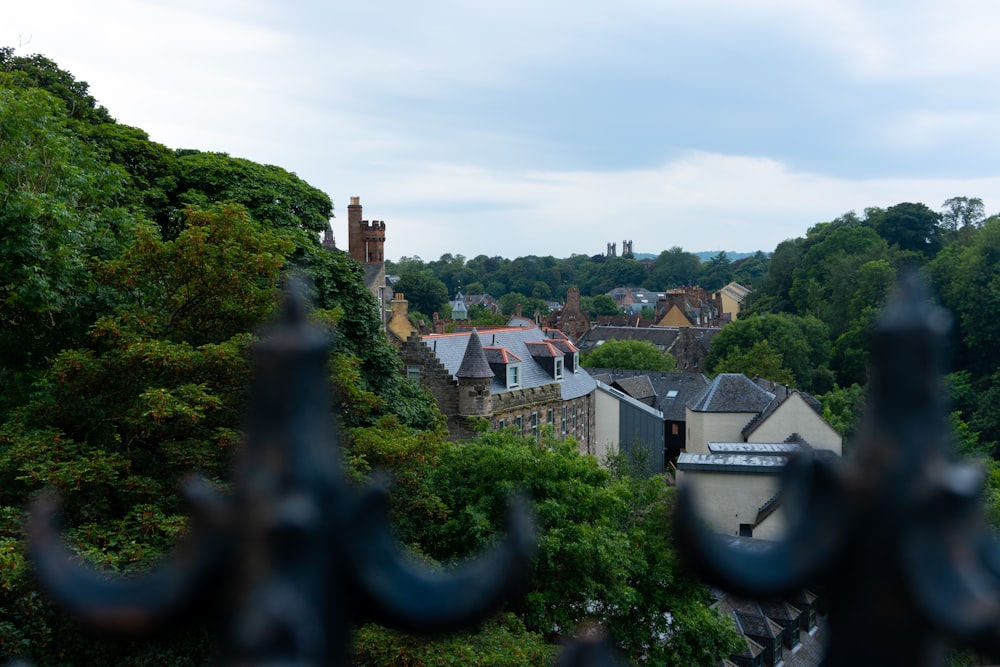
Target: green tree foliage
629, 354
157, 393
804, 343
426, 294
674, 268
961, 215
843, 409
827, 279
60, 212
716, 272
750, 271
908, 226
500, 642
605, 552
272, 195
761, 360
133, 337
602, 304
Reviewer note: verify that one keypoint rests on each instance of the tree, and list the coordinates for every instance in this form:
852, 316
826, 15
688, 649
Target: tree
602, 304
61, 209
962, 214
674, 268
605, 551
908, 226
716, 272
629, 354
426, 295
273, 195
750, 271
804, 343
761, 360
157, 393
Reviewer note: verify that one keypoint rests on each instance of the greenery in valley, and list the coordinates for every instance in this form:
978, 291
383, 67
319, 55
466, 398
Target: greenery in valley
133, 279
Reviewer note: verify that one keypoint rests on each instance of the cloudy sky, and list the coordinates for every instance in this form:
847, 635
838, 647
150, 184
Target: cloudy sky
519, 128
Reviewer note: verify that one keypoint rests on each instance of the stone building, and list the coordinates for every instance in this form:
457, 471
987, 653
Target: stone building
520, 377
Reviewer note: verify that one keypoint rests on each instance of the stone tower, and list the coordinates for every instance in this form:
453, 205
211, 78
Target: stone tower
475, 379
366, 245
365, 240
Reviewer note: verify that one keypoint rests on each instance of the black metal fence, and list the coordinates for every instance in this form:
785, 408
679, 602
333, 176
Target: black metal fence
896, 541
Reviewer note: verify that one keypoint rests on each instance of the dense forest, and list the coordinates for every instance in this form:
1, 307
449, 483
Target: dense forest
133, 280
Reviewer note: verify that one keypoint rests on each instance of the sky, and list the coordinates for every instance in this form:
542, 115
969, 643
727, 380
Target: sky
515, 128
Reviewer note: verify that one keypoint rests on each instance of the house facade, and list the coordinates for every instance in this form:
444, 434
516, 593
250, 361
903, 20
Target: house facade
667, 392
627, 425
740, 436
731, 300
513, 377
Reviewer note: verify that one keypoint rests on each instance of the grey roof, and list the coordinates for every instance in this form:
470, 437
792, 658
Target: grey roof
761, 448
639, 405
474, 362
638, 386
450, 350
686, 386
758, 464
731, 392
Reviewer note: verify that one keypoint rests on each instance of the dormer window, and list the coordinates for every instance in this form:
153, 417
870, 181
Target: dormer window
557, 371
513, 375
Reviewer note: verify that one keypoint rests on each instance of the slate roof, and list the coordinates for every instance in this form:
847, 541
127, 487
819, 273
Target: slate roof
509, 344
474, 361
731, 392
639, 387
687, 386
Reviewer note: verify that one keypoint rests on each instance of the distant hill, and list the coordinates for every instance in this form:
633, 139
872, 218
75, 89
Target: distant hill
704, 255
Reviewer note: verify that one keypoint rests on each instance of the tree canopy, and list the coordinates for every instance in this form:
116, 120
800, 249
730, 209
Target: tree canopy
638, 355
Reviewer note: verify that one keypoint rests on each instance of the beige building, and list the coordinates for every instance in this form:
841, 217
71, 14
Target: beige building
740, 435
731, 299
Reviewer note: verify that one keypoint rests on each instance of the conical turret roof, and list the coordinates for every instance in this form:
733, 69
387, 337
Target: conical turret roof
474, 363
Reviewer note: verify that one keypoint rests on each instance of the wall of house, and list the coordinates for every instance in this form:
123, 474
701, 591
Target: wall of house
607, 424
796, 416
433, 375
568, 418
706, 427
674, 317
726, 500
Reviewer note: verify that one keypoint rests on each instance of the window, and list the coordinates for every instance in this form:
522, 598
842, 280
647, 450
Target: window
564, 421
501, 423
576, 362
672, 393
513, 375
520, 425
549, 417
674, 429
534, 424
746, 530
558, 368
413, 373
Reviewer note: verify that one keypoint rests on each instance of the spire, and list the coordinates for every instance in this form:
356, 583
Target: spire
474, 363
